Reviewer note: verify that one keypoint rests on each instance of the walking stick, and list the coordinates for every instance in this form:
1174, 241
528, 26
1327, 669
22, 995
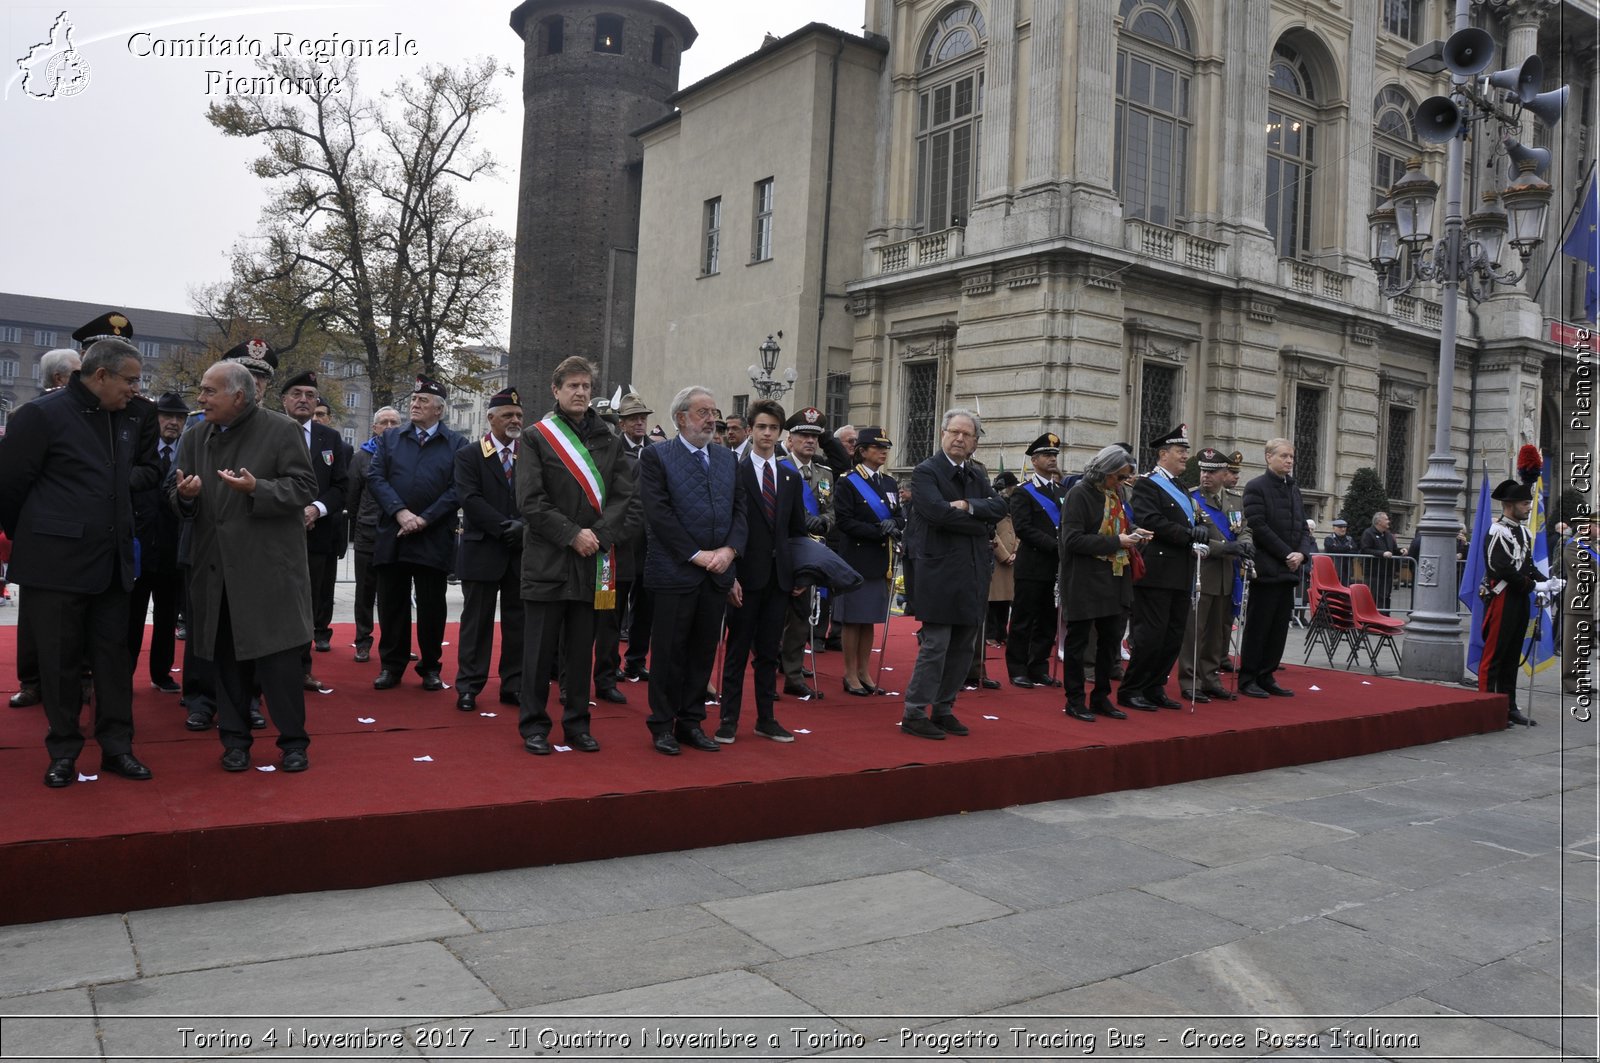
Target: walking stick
888, 611
1194, 622
1249, 571
812, 619
1539, 603
1056, 651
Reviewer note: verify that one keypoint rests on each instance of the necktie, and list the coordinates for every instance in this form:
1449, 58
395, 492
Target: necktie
507, 456
705, 461
166, 458
422, 436
769, 493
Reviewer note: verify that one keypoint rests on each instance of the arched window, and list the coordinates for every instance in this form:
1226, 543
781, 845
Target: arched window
1291, 152
949, 116
1393, 139
1155, 67
608, 34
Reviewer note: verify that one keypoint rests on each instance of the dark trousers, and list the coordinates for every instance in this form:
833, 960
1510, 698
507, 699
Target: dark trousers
276, 675
608, 638
395, 583
162, 589
476, 637
757, 626
1106, 634
1505, 632
1033, 628
27, 648
943, 658
199, 677
797, 637
323, 569
999, 625
366, 596
1266, 629
641, 611
683, 650
1159, 617
548, 626
70, 629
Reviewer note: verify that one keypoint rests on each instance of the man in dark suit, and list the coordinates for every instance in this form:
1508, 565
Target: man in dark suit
632, 418
764, 582
157, 528
413, 478
1162, 505
575, 491
1277, 517
325, 513
364, 514
698, 528
1036, 517
807, 428
954, 512
69, 464
490, 566
322, 637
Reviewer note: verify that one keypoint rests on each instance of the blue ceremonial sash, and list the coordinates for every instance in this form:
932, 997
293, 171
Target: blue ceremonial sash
1172, 489
805, 489
1585, 547
1220, 519
869, 496
1046, 503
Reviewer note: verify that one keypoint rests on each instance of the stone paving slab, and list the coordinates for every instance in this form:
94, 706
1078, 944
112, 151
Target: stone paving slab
70, 1034
270, 928
1453, 1035
538, 896
1573, 957
1354, 812
1050, 875
1270, 892
1410, 856
1234, 837
1526, 1001
1124, 810
64, 953
1375, 769
974, 832
836, 915
1527, 835
1109, 935
786, 863
536, 965
1447, 794
1273, 786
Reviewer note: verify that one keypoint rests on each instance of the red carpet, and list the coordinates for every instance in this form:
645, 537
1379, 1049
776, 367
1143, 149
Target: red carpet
370, 811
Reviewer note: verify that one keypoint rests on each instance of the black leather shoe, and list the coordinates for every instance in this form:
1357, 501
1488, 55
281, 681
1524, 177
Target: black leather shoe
1198, 697
799, 690
467, 701
1079, 712
612, 695
26, 698
665, 743
636, 675
1275, 690
386, 680
1520, 720
1218, 694
694, 736
180, 633
126, 765
363, 656
1135, 701
431, 681
1165, 702
295, 760
1250, 690
412, 657
538, 745
1044, 680
1022, 681
857, 692
321, 646
62, 771
258, 722
584, 743
1105, 708
200, 720
989, 684
510, 697
951, 726
921, 727
166, 686
236, 760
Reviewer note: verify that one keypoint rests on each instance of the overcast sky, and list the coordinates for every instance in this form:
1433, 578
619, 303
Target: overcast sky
123, 194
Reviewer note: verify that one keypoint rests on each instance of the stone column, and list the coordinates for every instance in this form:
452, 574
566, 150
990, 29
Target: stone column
1096, 209
992, 202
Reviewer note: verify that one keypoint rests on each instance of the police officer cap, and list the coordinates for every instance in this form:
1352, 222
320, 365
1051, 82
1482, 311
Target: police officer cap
1211, 460
808, 421
254, 355
1178, 437
172, 402
303, 379
428, 386
504, 397
1512, 491
113, 324
873, 437
1049, 443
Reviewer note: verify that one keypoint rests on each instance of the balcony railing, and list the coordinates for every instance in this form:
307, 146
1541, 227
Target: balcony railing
1174, 245
928, 250
1424, 312
1308, 279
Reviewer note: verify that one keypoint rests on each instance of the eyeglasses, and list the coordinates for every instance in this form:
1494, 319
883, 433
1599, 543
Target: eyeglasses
961, 433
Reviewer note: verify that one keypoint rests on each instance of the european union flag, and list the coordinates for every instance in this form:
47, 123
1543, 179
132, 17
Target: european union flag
1472, 575
1583, 244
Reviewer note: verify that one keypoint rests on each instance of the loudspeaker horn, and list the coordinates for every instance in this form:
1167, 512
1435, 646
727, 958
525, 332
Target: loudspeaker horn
1468, 51
1522, 82
1438, 119
1547, 106
1540, 157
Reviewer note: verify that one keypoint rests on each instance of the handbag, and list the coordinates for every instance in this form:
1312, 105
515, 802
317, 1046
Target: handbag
1136, 559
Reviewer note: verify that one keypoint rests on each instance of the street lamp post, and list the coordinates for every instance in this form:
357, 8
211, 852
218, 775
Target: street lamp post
761, 375
1465, 257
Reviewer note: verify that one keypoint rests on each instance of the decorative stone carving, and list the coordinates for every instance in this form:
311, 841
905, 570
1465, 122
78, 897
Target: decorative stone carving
979, 282
1262, 311
1023, 276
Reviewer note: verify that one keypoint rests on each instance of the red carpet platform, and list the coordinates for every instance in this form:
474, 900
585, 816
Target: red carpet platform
403, 787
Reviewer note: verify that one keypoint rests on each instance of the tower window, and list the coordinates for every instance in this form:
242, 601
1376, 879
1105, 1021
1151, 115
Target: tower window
608, 34
555, 35
658, 48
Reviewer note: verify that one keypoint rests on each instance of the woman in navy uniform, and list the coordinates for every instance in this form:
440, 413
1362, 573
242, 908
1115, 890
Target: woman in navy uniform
866, 506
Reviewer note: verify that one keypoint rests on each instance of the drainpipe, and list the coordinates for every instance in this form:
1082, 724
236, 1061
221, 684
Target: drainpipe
818, 393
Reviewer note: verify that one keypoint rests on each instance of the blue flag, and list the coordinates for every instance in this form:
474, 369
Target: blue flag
1583, 244
1472, 575
1540, 654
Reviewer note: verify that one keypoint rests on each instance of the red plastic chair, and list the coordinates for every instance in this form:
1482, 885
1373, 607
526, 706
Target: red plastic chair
1375, 630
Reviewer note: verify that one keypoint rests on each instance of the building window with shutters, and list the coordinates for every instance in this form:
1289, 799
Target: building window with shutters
837, 401
1291, 153
1155, 67
761, 223
741, 406
1397, 454
711, 242
43, 338
922, 411
1405, 18
8, 368
1393, 140
949, 117
1309, 406
1158, 408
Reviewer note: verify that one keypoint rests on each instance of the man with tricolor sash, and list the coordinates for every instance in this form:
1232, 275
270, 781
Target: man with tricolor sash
1221, 582
1036, 517
575, 491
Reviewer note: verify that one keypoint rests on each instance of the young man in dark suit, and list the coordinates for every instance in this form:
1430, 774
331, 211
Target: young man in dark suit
490, 566
764, 581
1161, 599
325, 513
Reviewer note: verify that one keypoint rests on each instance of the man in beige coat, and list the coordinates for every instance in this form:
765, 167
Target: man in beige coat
244, 478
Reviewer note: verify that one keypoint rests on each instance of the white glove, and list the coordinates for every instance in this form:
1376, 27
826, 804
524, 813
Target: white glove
1550, 586
1201, 550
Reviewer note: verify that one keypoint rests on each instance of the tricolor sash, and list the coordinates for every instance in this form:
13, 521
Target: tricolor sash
578, 461
1220, 521
1046, 503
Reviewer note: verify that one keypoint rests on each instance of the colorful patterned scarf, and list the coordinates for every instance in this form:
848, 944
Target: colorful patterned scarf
1114, 522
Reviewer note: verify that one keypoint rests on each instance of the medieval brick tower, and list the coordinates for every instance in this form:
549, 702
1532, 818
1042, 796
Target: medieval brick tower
593, 73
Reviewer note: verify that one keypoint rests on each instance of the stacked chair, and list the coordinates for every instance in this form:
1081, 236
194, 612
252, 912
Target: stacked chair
1333, 620
1375, 630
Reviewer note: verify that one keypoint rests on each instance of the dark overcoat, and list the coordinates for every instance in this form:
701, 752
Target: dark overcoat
253, 547
689, 509
555, 508
487, 501
407, 475
861, 541
1089, 587
333, 471
1169, 557
1277, 517
1038, 552
951, 551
